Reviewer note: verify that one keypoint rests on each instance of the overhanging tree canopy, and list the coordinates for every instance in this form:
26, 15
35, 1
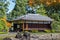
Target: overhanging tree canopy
3, 8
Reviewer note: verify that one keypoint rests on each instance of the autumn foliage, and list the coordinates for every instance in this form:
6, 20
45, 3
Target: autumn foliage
8, 24
46, 2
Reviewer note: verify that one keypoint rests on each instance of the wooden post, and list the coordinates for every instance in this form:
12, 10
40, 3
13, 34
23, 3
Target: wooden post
26, 26
23, 27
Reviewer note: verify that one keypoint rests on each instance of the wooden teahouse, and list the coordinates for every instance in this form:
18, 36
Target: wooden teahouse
32, 22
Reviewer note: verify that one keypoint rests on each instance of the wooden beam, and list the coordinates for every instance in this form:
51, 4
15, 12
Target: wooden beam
23, 27
26, 26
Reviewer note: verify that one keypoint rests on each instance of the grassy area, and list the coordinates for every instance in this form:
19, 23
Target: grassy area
3, 32
1, 37
42, 33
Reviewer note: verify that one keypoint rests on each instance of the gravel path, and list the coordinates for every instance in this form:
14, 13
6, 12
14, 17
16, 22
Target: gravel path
46, 36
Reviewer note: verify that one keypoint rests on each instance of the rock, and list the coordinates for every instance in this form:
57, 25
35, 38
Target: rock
14, 38
26, 35
18, 35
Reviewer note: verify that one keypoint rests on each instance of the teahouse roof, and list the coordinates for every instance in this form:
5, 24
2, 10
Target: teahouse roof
32, 17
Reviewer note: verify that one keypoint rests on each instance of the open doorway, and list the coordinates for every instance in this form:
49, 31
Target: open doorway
16, 27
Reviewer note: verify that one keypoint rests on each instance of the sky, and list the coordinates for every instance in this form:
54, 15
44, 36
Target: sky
11, 5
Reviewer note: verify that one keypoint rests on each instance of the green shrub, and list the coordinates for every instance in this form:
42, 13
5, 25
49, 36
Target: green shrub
3, 27
53, 31
48, 31
55, 26
34, 31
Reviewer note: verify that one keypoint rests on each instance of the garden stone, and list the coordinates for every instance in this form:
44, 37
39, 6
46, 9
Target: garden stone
18, 35
26, 35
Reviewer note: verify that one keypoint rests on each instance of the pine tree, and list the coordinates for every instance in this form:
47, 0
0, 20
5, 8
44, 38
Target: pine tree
19, 9
41, 10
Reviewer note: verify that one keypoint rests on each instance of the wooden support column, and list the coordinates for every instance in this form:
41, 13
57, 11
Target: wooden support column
26, 26
23, 27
